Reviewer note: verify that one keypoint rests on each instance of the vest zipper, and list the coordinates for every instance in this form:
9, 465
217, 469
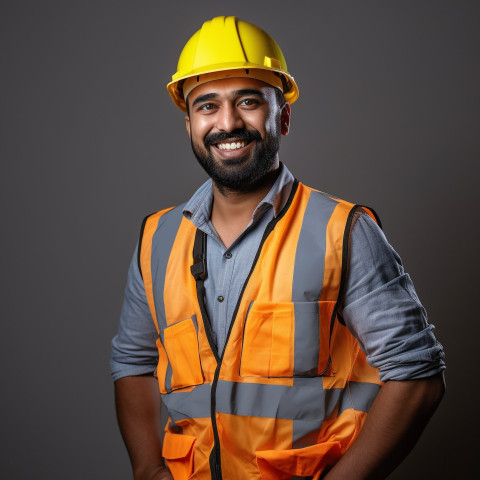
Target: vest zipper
215, 457
266, 233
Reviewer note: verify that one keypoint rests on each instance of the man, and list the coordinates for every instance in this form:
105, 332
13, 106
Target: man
275, 321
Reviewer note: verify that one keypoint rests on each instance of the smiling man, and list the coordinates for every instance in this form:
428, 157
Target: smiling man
274, 321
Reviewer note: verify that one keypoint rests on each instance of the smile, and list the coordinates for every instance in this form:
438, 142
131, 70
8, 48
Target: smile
231, 146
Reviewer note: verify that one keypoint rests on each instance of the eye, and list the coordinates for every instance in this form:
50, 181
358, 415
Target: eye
249, 102
206, 107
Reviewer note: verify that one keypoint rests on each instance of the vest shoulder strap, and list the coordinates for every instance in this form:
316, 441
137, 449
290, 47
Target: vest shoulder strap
371, 212
149, 222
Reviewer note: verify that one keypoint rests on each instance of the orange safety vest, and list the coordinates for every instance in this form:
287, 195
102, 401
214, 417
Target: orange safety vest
292, 388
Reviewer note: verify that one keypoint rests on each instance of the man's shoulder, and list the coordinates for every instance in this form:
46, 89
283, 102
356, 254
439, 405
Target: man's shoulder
334, 202
167, 216
169, 211
325, 197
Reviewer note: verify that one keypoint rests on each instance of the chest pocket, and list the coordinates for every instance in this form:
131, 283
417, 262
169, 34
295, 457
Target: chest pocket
181, 346
286, 339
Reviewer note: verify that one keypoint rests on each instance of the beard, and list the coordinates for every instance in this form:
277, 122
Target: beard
238, 174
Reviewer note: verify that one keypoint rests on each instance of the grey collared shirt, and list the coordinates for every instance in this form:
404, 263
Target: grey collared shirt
229, 267
399, 341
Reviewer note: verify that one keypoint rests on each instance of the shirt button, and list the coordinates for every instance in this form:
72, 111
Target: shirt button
220, 299
228, 255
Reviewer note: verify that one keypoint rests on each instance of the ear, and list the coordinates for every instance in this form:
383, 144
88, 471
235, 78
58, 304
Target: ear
285, 118
187, 125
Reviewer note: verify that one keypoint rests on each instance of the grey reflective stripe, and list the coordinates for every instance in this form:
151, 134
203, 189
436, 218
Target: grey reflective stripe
193, 404
361, 396
168, 378
307, 401
305, 433
162, 243
308, 282
310, 254
307, 335
195, 323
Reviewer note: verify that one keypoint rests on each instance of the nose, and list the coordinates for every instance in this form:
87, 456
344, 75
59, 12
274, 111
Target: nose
228, 118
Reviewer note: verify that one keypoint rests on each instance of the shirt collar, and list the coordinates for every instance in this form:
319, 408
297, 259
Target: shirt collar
199, 207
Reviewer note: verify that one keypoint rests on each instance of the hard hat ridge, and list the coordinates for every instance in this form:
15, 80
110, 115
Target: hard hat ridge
227, 47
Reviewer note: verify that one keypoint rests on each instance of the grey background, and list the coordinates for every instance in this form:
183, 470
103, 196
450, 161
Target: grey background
388, 116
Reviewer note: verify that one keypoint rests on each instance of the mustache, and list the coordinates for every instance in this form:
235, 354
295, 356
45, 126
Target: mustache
238, 134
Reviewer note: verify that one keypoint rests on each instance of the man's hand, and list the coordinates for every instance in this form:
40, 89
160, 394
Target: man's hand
138, 404
396, 419
160, 473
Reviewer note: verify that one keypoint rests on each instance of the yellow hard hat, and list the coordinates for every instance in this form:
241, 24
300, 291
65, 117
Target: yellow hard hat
227, 47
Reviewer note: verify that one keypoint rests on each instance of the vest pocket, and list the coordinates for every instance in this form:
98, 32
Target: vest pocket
181, 346
178, 452
286, 339
309, 462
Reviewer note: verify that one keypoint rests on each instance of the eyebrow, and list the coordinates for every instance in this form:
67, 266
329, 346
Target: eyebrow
204, 98
248, 91
237, 93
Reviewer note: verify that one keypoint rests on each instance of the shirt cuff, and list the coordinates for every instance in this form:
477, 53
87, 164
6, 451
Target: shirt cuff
391, 327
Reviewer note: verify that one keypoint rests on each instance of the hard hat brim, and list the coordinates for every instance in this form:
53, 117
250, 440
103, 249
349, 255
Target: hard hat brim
175, 90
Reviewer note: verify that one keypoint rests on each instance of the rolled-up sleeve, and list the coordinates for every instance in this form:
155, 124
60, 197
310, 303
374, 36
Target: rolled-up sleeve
134, 349
383, 312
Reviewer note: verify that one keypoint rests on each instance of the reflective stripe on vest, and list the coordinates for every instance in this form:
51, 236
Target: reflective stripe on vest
291, 389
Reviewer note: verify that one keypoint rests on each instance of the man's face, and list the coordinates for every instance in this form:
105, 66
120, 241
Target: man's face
235, 127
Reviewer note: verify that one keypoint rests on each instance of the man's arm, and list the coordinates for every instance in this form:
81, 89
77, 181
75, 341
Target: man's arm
396, 419
134, 357
137, 401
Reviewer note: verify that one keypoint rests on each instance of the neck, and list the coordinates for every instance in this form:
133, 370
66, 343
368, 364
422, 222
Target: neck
232, 210
228, 202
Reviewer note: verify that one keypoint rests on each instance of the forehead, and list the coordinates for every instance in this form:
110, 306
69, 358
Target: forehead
229, 87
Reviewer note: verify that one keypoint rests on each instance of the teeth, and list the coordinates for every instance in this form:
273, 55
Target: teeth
231, 146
